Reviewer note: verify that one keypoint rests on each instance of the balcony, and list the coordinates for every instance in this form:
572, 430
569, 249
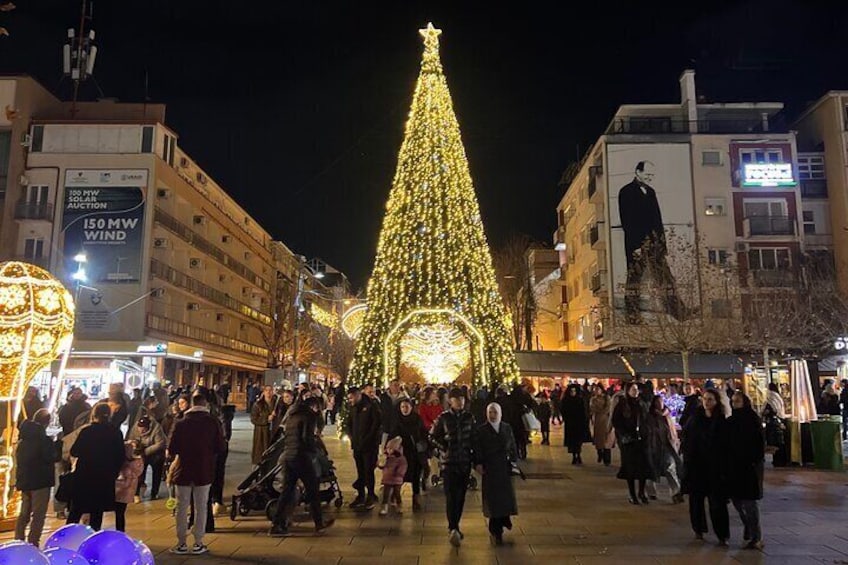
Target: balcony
180, 329
25, 210
652, 125
597, 282
813, 188
595, 237
774, 278
769, 226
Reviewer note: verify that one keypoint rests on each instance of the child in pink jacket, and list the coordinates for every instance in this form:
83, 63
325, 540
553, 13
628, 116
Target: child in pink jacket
393, 472
126, 484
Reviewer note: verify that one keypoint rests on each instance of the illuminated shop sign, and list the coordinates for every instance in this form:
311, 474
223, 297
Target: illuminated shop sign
158, 348
768, 174
841, 343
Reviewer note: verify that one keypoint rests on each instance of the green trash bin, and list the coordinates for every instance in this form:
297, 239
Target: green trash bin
827, 442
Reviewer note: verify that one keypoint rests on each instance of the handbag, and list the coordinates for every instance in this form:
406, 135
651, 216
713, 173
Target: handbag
65, 490
531, 422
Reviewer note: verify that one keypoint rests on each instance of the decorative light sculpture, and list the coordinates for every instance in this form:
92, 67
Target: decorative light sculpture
352, 320
36, 322
323, 317
439, 352
432, 254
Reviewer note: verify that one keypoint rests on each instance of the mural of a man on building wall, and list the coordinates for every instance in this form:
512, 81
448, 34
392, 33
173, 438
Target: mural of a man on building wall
645, 244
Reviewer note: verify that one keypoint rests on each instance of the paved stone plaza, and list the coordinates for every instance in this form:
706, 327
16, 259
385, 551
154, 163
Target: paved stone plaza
567, 515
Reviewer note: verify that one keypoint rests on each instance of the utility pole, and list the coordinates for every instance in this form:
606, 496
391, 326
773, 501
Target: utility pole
79, 53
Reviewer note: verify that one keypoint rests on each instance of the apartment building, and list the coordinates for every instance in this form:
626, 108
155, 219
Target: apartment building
719, 178
174, 280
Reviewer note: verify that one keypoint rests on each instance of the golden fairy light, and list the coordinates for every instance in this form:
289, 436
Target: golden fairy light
439, 352
36, 322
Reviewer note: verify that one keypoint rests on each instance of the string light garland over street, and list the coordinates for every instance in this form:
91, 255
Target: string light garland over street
432, 254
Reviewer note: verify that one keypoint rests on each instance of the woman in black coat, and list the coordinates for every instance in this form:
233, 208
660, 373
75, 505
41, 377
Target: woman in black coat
705, 452
628, 419
494, 453
746, 456
99, 450
410, 428
575, 422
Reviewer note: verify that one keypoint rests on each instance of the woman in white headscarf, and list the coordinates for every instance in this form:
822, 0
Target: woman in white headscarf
494, 453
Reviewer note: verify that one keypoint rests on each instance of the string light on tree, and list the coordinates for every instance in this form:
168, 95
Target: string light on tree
432, 254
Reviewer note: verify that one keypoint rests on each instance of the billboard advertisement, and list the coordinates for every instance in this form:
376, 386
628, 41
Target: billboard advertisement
103, 218
651, 229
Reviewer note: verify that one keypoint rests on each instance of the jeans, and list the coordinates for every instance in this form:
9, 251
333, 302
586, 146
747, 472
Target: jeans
33, 504
200, 495
366, 462
216, 493
121, 516
718, 515
301, 469
157, 465
456, 485
749, 512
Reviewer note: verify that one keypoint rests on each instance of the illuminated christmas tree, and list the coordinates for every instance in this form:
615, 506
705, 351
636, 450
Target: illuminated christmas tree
433, 269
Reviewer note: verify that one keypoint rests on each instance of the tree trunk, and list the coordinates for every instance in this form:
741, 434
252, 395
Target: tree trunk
684, 355
766, 364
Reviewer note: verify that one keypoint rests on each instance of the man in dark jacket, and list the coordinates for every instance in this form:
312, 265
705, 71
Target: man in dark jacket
364, 429
195, 443
300, 447
389, 408
36, 455
75, 406
453, 433
692, 401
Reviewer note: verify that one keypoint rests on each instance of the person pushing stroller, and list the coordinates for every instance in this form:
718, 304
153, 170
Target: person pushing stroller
298, 463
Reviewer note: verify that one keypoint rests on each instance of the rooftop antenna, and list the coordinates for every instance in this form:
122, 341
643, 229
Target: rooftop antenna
80, 52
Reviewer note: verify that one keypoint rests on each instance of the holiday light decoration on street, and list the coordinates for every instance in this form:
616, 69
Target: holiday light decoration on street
352, 320
323, 317
433, 265
36, 323
439, 352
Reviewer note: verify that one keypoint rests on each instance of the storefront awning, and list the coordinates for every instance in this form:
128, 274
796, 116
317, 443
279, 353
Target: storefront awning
604, 364
701, 366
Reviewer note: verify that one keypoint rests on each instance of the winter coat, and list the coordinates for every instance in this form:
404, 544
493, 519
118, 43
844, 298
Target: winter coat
100, 454
388, 411
543, 413
195, 443
163, 402
745, 455
704, 450
68, 414
120, 410
662, 442
411, 430
574, 420
261, 427
830, 404
628, 420
690, 406
429, 413
495, 451
301, 433
36, 455
453, 433
599, 412
151, 442
394, 470
127, 481
364, 425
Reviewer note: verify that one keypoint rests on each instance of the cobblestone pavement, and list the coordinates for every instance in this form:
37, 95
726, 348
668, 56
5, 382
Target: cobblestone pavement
567, 515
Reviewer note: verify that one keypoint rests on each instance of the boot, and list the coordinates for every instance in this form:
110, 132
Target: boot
579, 459
416, 502
384, 511
574, 459
600, 455
607, 457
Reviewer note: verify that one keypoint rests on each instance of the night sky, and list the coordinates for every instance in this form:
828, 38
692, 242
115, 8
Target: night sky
297, 108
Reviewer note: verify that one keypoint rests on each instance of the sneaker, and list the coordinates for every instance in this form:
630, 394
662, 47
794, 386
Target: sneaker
384, 511
218, 509
455, 539
278, 530
181, 549
757, 545
357, 502
136, 499
369, 503
325, 523
199, 549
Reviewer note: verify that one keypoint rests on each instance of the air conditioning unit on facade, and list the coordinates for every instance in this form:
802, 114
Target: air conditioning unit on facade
741, 247
243, 326
26, 140
222, 278
163, 193
195, 263
184, 162
24, 180
201, 178
161, 243
193, 306
226, 238
219, 317
199, 220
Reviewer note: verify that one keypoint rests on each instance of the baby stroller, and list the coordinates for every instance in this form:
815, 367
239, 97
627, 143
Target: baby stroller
260, 490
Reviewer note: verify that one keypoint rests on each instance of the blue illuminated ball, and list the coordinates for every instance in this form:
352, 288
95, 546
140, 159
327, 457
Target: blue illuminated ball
62, 556
69, 536
21, 554
109, 547
144, 554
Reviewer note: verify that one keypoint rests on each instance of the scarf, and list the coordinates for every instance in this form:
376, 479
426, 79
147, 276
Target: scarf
497, 423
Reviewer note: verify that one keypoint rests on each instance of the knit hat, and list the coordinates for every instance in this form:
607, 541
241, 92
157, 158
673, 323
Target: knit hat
394, 444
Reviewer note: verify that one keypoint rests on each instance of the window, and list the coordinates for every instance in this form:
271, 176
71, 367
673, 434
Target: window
811, 167
37, 139
5, 155
37, 194
34, 248
809, 222
769, 259
147, 139
168, 150
711, 158
717, 256
760, 156
759, 208
714, 206
564, 294
565, 331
